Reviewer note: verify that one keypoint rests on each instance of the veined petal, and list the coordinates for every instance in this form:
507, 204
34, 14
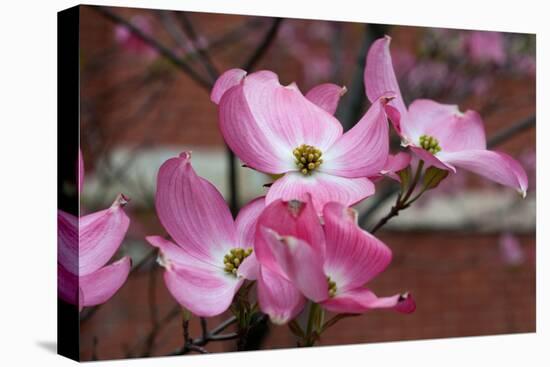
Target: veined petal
353, 256
283, 113
299, 262
205, 292
288, 218
453, 129
362, 151
278, 298
431, 159
225, 82
193, 211
67, 285
360, 300
394, 164
322, 187
170, 254
67, 241
101, 234
257, 146
99, 286
246, 222
495, 166
380, 77
326, 96
249, 268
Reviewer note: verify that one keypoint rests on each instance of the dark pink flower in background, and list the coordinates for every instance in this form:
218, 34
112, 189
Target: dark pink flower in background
439, 134
297, 136
328, 263
132, 43
485, 47
85, 245
510, 250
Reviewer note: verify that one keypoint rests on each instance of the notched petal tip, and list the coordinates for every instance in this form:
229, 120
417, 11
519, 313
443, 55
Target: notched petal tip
405, 303
120, 201
343, 91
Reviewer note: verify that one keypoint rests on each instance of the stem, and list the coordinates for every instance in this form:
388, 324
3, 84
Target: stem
314, 322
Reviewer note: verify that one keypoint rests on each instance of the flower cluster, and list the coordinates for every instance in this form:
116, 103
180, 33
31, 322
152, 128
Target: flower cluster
301, 242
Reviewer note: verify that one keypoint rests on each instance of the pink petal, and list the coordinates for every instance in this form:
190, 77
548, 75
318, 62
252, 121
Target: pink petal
454, 130
299, 262
67, 241
67, 285
259, 148
201, 287
322, 187
249, 268
430, 159
278, 298
288, 218
380, 77
394, 164
287, 114
205, 292
246, 222
495, 166
510, 249
227, 80
353, 256
360, 300
326, 96
80, 171
101, 234
99, 286
362, 151
193, 212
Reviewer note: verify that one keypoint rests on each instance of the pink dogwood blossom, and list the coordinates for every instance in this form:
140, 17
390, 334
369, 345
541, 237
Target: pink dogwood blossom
485, 47
85, 245
328, 263
277, 130
211, 254
437, 133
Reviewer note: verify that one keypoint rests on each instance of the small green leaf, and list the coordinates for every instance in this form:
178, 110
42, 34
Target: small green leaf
433, 177
405, 176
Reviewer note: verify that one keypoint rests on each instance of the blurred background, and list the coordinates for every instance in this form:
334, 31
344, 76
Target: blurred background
465, 250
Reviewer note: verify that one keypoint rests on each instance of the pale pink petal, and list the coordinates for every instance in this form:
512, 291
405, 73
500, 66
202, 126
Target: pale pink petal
360, 300
101, 234
67, 241
362, 151
289, 218
394, 164
80, 171
246, 220
326, 96
255, 144
278, 298
205, 292
249, 268
299, 262
285, 115
227, 80
380, 77
453, 129
495, 166
102, 284
170, 254
431, 160
193, 211
322, 187
67, 285
353, 256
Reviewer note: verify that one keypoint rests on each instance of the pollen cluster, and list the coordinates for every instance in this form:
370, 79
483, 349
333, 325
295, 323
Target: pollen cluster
430, 144
331, 287
307, 158
234, 258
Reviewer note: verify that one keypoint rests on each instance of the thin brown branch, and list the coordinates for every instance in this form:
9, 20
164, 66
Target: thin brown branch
264, 45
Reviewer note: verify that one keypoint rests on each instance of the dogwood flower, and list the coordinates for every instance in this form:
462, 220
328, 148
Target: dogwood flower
85, 245
211, 254
329, 263
439, 134
275, 129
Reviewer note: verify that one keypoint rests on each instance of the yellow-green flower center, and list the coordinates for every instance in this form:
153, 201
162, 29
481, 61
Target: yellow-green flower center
430, 144
235, 258
307, 158
331, 287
